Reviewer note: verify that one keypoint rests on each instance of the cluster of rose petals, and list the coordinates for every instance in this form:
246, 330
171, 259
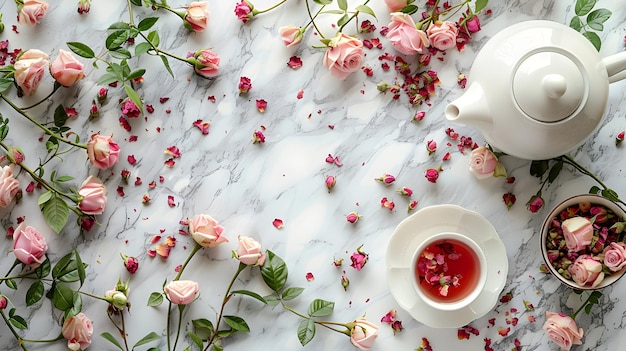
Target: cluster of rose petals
562, 329
32, 12
29, 246
197, 16
93, 196
77, 330
343, 56
9, 186
29, 70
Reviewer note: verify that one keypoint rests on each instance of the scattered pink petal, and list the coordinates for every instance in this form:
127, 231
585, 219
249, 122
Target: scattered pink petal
261, 105
120, 191
152, 185
173, 151
169, 163
155, 239
170, 201
138, 181
504, 331
132, 160
278, 223
294, 62
203, 126
150, 108
300, 94
310, 277
163, 250
163, 99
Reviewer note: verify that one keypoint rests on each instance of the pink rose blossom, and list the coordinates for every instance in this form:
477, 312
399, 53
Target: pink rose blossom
343, 56
395, 5
66, 70
197, 16
205, 63
404, 36
291, 35
615, 256
431, 146
29, 70
473, 24
9, 186
363, 334
29, 246
131, 263
102, 151
562, 329
535, 203
244, 11
249, 252
578, 232
586, 271
442, 35
32, 12
359, 259
130, 109
77, 330
206, 231
93, 196
182, 292
483, 162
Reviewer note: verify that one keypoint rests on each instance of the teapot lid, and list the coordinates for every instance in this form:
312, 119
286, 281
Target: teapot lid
548, 85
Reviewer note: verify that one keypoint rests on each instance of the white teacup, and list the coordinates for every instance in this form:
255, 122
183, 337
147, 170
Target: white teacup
463, 295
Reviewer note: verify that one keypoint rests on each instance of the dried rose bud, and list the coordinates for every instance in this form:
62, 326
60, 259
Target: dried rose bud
94, 112
338, 262
619, 138
509, 200
386, 179
384, 202
396, 326
3, 302
412, 206
131, 263
599, 213
419, 116
382, 86
87, 223
345, 282
359, 259
431, 146
330, 182
244, 85
102, 95
83, 6
432, 175
405, 191
353, 217
258, 137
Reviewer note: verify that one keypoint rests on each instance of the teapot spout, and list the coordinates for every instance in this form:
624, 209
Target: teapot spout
616, 66
471, 109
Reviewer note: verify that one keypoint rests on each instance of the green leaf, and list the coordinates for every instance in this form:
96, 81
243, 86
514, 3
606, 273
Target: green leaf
251, 294
61, 265
320, 308
272, 300
147, 23
203, 328
136, 2
107, 78
155, 299
5, 84
77, 305
34, 293
597, 17
136, 74
120, 53
11, 284
133, 96
610, 194
554, 171
153, 38
323, 2
81, 49
594, 39
480, 4
274, 271
594, 190
142, 48
60, 116
19, 322
333, 12
166, 63
410, 9
576, 23
112, 339
584, 6
116, 39
80, 267
539, 168
237, 323
66, 269
196, 340
343, 20
306, 331
45, 197
343, 5
119, 25
56, 213
292, 293
63, 297
366, 9
152, 336
44, 269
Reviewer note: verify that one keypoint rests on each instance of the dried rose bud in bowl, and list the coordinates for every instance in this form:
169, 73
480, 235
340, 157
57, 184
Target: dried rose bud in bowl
583, 242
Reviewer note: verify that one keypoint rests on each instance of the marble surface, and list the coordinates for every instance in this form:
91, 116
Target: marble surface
246, 186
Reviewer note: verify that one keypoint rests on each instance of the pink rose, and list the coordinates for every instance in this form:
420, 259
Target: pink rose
562, 330
482, 162
32, 12
102, 151
206, 231
578, 232
615, 256
29, 246
473, 25
535, 203
93, 196
9, 186
404, 36
29, 69
363, 334
395, 5
343, 56
66, 69
197, 16
182, 292
432, 175
291, 35
586, 271
442, 35
249, 252
205, 63
244, 11
77, 330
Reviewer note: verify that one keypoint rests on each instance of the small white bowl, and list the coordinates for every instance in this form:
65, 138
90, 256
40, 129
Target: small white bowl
574, 200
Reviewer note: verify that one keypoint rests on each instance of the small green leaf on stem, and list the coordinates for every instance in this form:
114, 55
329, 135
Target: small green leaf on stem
292, 293
366, 9
81, 50
480, 4
251, 294
596, 19
538, 168
150, 337
583, 7
56, 213
155, 299
306, 331
34, 293
203, 328
320, 308
19, 322
237, 323
63, 297
147, 23
274, 271
112, 339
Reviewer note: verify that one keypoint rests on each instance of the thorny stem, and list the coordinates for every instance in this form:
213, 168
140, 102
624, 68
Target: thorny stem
121, 330
41, 126
573, 315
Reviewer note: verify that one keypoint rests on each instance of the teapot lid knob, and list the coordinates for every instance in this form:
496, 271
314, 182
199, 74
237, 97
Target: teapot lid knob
548, 86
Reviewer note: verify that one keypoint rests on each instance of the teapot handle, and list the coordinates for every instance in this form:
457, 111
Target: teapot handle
615, 66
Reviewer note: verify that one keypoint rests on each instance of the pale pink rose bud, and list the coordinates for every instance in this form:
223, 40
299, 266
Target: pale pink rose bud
182, 292
206, 231
77, 330
343, 56
395, 5
353, 217
535, 203
586, 271
431, 146
363, 334
359, 259
249, 252
442, 35
330, 182
562, 329
93, 196
32, 12
205, 63
404, 36
197, 16
578, 233
29, 70
66, 69
29, 246
412, 205
483, 162
386, 179
291, 35
615, 256
419, 115
102, 151
9, 186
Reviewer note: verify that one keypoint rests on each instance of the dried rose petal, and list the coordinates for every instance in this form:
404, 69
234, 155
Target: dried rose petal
278, 223
173, 151
203, 126
310, 277
294, 62
120, 191
261, 105
132, 160
163, 250
170, 201
169, 163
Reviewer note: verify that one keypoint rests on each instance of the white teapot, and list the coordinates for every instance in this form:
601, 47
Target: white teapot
537, 89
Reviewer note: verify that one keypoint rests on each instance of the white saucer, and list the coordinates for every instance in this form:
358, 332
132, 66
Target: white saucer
421, 225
